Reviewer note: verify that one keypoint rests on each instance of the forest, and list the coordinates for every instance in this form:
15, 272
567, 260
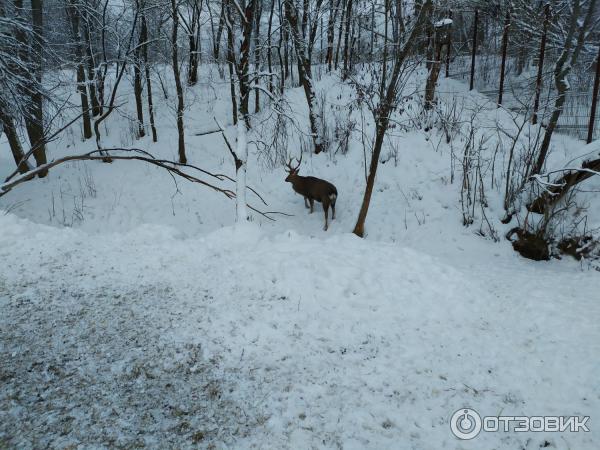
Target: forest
299, 223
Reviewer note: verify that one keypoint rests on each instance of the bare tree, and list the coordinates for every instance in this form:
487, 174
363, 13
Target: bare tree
386, 100
578, 31
72, 9
178, 86
191, 25
34, 121
333, 11
301, 44
144, 47
15, 79
137, 80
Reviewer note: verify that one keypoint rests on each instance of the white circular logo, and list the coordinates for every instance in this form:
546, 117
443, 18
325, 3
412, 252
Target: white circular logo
465, 424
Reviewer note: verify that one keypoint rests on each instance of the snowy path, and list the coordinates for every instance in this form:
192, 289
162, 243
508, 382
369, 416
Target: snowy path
249, 340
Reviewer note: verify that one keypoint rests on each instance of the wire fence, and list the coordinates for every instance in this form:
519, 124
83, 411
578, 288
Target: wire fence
521, 73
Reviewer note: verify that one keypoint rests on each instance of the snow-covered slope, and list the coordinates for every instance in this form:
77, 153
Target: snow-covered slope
282, 341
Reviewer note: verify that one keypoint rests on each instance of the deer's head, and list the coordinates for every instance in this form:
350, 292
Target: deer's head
292, 170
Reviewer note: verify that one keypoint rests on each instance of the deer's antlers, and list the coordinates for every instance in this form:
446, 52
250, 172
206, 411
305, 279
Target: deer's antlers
289, 164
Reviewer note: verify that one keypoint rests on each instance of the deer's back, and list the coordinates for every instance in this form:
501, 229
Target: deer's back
313, 187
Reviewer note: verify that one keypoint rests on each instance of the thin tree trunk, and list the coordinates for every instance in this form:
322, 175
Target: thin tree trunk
284, 41
89, 57
111, 105
386, 107
311, 33
372, 30
540, 71
137, 86
219, 31
241, 158
144, 38
282, 61
178, 87
269, 53
257, 57
562, 69
231, 64
339, 39
73, 14
346, 41
333, 8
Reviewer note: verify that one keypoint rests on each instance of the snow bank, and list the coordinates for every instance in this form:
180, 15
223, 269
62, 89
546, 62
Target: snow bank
241, 338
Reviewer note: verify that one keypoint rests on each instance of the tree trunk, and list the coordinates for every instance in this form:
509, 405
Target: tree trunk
193, 44
178, 87
85, 107
311, 33
386, 107
559, 188
359, 228
339, 39
241, 157
13, 140
137, 88
562, 69
73, 15
219, 31
231, 63
257, 57
91, 73
35, 122
243, 66
144, 38
440, 37
269, 53
333, 8
346, 41
306, 75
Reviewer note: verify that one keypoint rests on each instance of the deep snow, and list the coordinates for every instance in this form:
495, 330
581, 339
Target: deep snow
134, 313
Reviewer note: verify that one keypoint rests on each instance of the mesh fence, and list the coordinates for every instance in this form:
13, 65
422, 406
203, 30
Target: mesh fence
521, 72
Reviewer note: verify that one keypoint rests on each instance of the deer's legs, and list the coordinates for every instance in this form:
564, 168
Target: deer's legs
306, 203
312, 205
326, 209
333, 211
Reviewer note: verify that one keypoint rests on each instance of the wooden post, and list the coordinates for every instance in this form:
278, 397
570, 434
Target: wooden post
590, 135
538, 83
471, 84
504, 49
449, 46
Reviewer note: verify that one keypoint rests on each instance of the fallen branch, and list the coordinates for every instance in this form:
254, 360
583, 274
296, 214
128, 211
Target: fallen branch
173, 168
553, 192
237, 161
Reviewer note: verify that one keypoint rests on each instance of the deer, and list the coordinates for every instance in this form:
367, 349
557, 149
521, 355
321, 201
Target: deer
312, 188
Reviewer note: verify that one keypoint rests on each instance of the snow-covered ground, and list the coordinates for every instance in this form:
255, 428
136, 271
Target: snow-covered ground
135, 313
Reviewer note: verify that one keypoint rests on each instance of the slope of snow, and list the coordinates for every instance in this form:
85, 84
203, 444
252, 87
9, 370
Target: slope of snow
134, 314
285, 341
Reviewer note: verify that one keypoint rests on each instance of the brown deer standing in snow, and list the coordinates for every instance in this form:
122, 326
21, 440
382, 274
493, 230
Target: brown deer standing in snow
312, 189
